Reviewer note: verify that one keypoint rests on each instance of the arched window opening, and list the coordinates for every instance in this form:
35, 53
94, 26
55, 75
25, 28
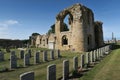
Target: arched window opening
66, 25
64, 40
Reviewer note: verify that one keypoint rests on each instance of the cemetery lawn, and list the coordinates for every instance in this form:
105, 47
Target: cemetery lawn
107, 69
39, 69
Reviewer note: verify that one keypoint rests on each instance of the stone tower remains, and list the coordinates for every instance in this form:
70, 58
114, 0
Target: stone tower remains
84, 33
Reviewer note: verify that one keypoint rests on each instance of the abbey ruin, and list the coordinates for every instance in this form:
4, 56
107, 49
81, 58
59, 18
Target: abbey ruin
84, 33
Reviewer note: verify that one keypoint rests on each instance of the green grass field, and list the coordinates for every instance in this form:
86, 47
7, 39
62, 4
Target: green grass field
39, 69
107, 69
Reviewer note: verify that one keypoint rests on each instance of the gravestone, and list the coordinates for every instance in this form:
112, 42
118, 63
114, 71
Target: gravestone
94, 55
36, 58
51, 72
22, 54
86, 57
102, 53
27, 76
58, 53
44, 56
29, 52
75, 63
1, 56
65, 70
97, 55
91, 57
13, 61
82, 60
26, 60
52, 54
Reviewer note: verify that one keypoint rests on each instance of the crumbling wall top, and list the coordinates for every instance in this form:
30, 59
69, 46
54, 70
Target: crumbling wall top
73, 10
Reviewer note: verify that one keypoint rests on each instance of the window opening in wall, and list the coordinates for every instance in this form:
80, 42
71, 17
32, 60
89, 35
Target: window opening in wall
64, 40
66, 25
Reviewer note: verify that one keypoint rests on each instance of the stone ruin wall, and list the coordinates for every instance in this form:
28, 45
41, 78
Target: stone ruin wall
84, 33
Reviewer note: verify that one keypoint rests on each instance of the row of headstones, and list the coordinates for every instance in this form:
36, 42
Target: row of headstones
51, 69
45, 53
51, 72
26, 57
93, 56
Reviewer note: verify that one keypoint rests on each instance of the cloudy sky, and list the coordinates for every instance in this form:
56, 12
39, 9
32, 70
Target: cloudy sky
20, 18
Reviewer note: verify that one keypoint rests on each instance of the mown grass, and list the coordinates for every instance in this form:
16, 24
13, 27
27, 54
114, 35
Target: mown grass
39, 69
107, 69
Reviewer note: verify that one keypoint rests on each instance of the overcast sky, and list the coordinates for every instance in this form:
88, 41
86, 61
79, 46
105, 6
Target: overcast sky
20, 18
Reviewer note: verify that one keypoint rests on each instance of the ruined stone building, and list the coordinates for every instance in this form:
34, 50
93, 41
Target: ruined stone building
84, 33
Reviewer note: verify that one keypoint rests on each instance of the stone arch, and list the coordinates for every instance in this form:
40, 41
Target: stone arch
61, 17
64, 40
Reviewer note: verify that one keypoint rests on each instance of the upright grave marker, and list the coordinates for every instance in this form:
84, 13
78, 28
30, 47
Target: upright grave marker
58, 53
75, 63
51, 72
91, 57
26, 60
27, 76
36, 58
82, 60
52, 54
65, 69
86, 57
44, 56
13, 61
